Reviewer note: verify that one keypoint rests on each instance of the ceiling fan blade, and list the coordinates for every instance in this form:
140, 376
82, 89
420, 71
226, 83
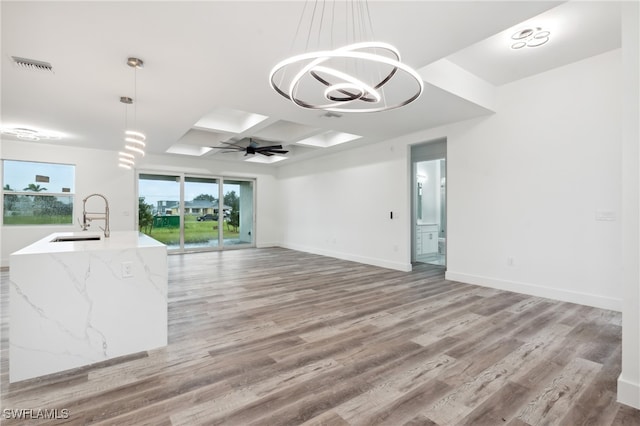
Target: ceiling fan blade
278, 151
234, 144
233, 148
267, 153
268, 147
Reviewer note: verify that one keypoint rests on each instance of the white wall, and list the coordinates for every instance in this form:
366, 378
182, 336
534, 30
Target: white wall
340, 205
528, 182
97, 171
629, 380
525, 182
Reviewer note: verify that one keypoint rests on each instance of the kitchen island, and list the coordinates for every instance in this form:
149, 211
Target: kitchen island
77, 298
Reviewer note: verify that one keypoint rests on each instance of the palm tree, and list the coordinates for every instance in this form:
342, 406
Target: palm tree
9, 199
34, 187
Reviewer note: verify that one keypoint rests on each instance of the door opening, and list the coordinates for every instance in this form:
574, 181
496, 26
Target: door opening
429, 203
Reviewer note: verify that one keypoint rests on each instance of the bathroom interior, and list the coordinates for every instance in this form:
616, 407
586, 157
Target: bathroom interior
430, 206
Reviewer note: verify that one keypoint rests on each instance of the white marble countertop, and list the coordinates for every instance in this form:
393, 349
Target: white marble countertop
117, 240
75, 303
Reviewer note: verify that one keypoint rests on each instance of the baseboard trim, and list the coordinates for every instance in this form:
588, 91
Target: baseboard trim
267, 245
398, 266
628, 392
587, 299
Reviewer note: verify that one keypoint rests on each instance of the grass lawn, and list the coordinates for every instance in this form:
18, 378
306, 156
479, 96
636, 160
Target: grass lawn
194, 232
38, 220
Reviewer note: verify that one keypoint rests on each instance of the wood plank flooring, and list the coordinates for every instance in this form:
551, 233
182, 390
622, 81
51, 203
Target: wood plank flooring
279, 337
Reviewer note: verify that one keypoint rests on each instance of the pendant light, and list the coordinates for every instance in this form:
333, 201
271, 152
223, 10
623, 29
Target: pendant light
134, 139
364, 75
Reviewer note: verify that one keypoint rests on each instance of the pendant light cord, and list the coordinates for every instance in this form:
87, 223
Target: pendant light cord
135, 98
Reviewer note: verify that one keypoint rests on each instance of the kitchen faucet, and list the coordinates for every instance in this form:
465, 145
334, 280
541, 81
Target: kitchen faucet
89, 216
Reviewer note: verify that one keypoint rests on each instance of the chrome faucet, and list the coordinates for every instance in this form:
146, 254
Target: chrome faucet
87, 217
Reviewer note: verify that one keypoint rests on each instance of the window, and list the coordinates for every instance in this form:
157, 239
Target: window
37, 193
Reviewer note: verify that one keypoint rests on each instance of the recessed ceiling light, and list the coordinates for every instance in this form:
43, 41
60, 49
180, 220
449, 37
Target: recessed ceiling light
265, 160
530, 37
328, 139
30, 134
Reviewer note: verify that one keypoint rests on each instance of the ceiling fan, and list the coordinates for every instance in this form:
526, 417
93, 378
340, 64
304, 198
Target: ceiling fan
252, 148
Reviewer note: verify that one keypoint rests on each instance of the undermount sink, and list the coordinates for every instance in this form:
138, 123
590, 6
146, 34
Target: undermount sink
71, 238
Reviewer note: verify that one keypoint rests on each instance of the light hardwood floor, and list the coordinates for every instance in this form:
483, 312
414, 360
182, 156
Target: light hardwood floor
274, 336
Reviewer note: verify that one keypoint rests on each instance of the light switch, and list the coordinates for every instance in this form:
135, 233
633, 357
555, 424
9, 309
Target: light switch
605, 215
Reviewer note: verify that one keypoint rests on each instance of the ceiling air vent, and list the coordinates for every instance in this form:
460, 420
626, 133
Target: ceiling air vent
32, 64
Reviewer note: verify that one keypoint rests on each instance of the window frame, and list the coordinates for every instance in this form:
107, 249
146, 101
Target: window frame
55, 195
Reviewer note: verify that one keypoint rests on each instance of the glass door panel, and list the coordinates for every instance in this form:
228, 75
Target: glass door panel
201, 216
238, 213
159, 208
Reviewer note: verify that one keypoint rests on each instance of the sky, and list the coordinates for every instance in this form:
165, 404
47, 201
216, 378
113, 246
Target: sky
156, 190
19, 174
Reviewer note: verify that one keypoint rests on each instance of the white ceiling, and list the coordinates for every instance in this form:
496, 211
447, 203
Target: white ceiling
579, 29
205, 78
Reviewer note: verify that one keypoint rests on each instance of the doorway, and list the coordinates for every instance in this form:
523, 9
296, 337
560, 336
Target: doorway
429, 203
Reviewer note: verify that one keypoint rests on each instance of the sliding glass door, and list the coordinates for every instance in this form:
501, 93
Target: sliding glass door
201, 219
159, 208
188, 212
238, 208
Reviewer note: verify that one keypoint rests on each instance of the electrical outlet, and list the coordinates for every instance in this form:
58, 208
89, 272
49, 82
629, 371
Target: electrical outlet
127, 269
510, 261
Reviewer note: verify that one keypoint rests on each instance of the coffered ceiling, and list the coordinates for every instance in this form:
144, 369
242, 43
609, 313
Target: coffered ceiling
205, 78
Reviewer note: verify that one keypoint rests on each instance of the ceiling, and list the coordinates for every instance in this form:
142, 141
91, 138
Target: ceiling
205, 76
